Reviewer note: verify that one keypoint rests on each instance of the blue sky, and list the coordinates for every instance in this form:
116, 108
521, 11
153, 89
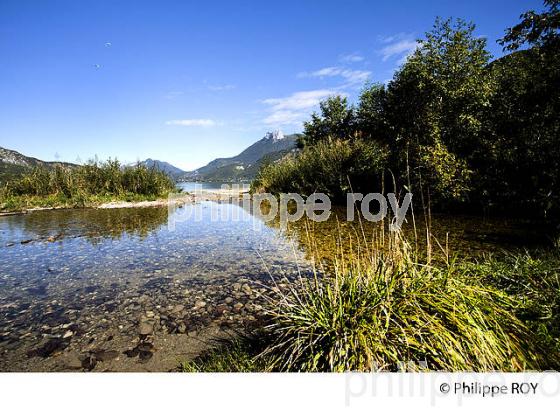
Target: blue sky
189, 81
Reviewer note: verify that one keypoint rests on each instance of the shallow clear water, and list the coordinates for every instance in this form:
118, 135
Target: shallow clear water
206, 186
80, 242
86, 280
91, 270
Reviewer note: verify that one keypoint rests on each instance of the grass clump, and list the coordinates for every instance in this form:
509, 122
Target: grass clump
533, 281
379, 315
385, 310
240, 354
381, 305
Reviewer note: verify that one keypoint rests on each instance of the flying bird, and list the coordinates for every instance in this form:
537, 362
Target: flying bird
108, 44
97, 66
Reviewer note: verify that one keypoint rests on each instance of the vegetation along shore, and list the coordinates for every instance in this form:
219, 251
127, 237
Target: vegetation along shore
86, 185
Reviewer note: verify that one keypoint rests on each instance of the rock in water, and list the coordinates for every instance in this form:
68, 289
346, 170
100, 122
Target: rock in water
177, 309
146, 328
49, 348
72, 362
106, 355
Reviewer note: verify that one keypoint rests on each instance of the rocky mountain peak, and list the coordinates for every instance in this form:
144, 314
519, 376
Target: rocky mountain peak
275, 135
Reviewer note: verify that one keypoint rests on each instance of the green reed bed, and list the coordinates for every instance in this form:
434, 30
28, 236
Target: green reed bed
78, 186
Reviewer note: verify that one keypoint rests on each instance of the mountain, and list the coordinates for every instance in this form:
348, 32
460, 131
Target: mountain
244, 167
14, 164
163, 166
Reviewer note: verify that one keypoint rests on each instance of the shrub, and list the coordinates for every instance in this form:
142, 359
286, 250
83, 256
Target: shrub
326, 167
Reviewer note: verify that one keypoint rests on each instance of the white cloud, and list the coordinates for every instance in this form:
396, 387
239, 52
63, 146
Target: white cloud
323, 72
351, 58
197, 122
295, 108
400, 45
356, 76
398, 49
284, 118
351, 76
299, 100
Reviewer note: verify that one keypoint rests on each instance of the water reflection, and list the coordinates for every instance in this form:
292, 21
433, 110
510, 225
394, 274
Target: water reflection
93, 274
467, 237
93, 224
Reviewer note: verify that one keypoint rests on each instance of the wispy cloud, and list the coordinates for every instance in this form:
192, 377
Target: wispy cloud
196, 122
299, 100
350, 76
399, 45
350, 58
286, 117
293, 109
296, 108
224, 87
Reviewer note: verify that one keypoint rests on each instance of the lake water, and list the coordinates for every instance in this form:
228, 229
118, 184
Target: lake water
91, 275
207, 186
116, 289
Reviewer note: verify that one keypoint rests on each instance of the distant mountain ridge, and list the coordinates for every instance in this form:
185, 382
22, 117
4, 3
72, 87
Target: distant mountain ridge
166, 167
13, 164
244, 166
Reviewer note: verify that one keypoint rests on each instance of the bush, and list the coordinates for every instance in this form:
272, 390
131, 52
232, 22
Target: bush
326, 167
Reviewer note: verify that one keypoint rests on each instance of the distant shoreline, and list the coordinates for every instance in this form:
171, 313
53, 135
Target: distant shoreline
181, 199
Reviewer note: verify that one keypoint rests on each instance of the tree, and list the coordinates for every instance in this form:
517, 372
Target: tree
436, 105
370, 113
541, 30
522, 175
336, 120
